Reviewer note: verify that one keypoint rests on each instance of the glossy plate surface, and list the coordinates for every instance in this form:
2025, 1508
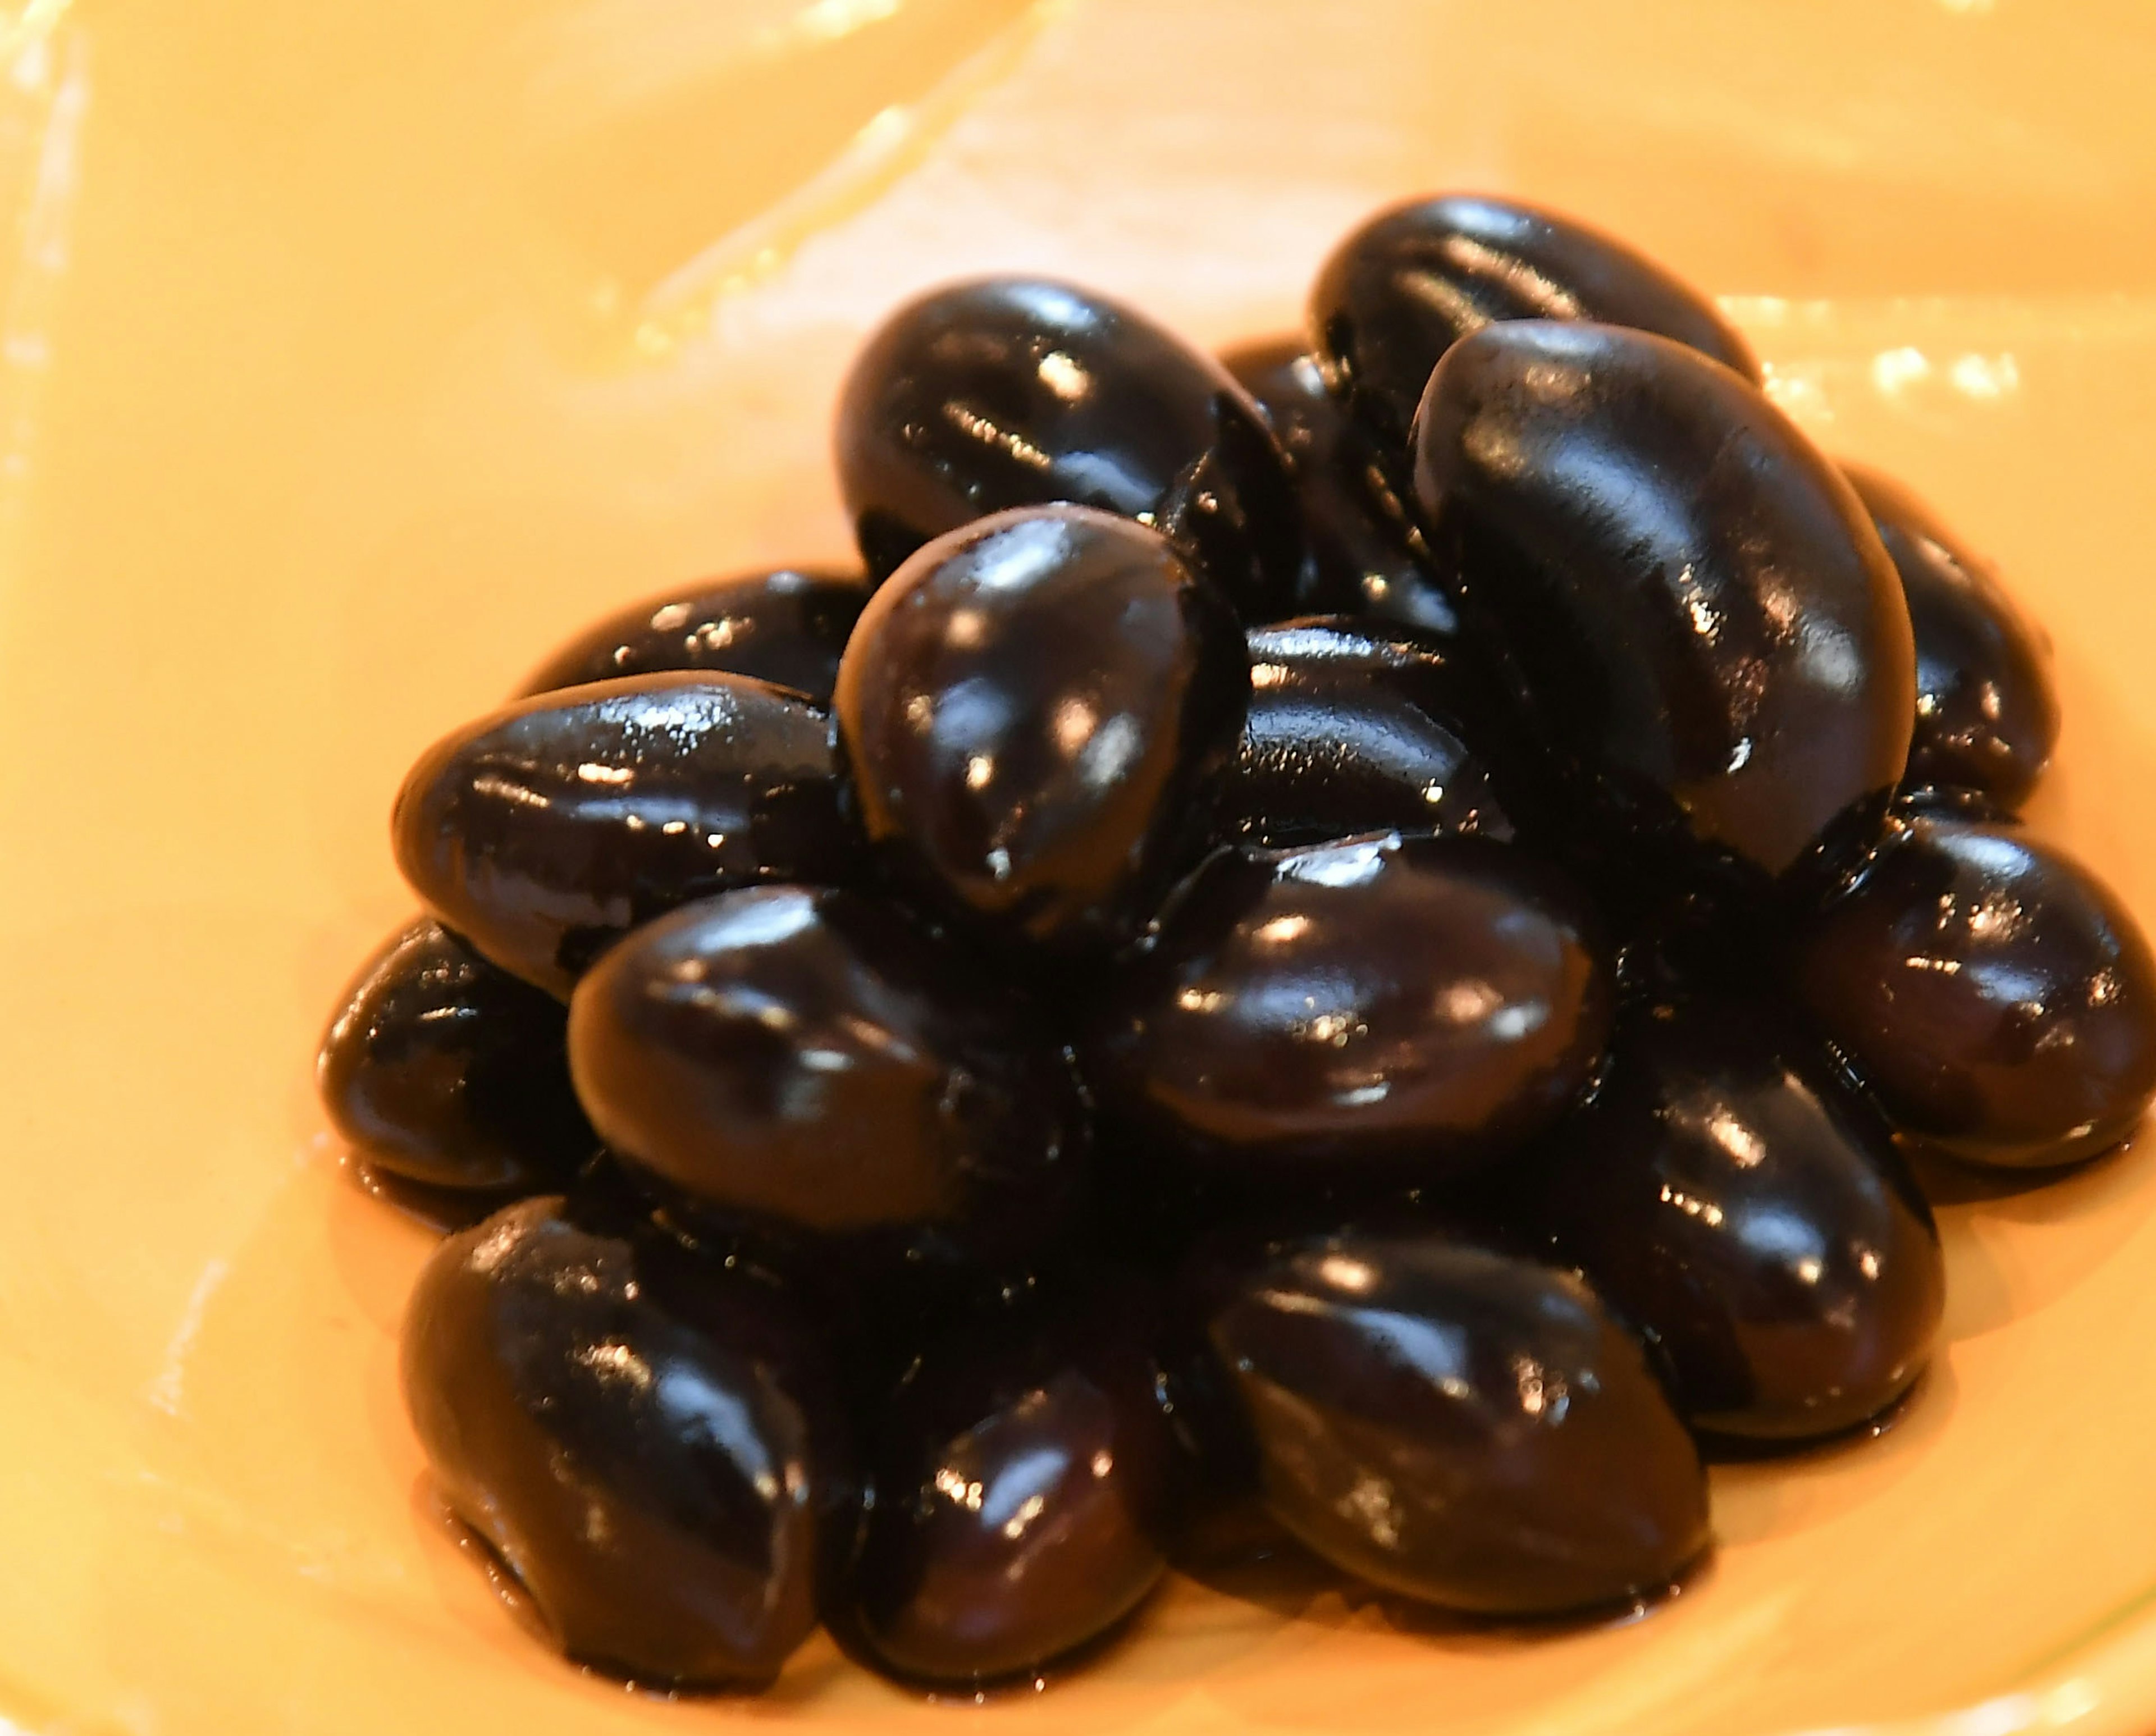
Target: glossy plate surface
349, 357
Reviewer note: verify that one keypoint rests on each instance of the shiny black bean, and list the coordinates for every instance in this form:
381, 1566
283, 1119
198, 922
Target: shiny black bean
1020, 1477
545, 832
804, 1059
1700, 618
786, 627
1465, 1427
440, 1069
1987, 714
653, 1454
1732, 1196
1013, 392
1953, 802
1039, 711
1362, 551
1378, 1006
1359, 727
2000, 999
1416, 279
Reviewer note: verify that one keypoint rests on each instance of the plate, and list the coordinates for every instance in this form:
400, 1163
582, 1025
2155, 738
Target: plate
349, 356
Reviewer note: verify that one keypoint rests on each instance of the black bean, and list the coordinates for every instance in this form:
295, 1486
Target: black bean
1997, 996
1465, 1427
544, 833
1016, 392
1987, 717
1379, 1006
786, 626
804, 1059
1039, 711
1699, 616
1414, 279
442, 1070
654, 1455
1732, 1196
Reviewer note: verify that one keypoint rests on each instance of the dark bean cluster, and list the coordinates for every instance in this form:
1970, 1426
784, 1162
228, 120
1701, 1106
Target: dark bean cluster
1374, 930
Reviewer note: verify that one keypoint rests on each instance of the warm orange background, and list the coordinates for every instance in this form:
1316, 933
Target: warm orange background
351, 354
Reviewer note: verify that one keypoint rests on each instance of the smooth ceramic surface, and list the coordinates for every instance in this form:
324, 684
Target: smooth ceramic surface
352, 357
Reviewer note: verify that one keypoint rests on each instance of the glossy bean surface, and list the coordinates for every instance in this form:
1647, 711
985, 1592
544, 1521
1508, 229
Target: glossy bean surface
651, 1454
1384, 1004
786, 627
806, 1059
1017, 392
1730, 1195
440, 1069
1467, 1428
1987, 710
1414, 279
1700, 618
1357, 726
1020, 1477
545, 832
1360, 546
1996, 995
1039, 711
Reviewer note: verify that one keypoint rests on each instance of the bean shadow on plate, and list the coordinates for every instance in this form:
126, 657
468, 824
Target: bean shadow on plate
2016, 1242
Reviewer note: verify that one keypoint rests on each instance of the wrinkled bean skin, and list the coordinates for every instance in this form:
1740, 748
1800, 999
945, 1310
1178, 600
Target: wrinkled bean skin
1467, 1428
1414, 279
442, 1070
1012, 392
1052, 1438
1996, 996
1039, 711
1381, 1006
1357, 726
542, 834
1700, 618
1363, 554
1732, 1198
805, 1059
1987, 712
654, 1455
786, 627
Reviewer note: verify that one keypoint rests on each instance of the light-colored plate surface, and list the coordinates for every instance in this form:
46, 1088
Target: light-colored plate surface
350, 354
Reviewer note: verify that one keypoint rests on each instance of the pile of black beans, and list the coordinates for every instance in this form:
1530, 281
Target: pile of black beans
1374, 932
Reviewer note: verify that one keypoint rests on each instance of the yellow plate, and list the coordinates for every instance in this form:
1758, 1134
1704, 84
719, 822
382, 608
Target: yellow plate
350, 354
